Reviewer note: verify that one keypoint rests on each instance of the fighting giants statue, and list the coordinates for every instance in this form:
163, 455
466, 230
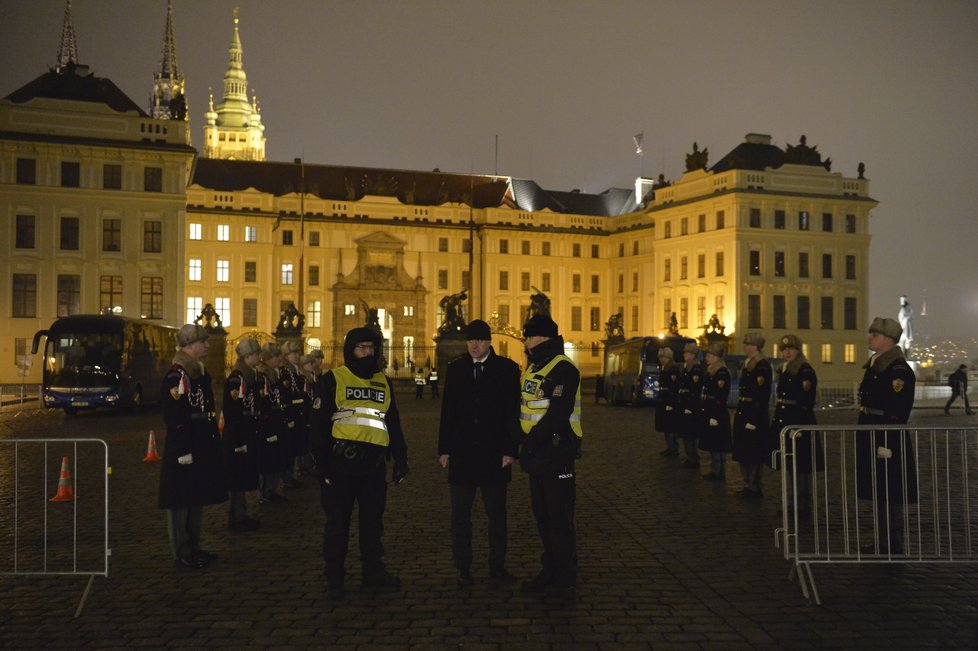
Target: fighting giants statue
906, 322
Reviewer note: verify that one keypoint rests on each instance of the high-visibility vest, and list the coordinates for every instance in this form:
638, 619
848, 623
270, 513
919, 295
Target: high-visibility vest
534, 404
361, 406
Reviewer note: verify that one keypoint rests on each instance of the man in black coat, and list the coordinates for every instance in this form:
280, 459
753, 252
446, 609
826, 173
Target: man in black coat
885, 464
478, 442
958, 381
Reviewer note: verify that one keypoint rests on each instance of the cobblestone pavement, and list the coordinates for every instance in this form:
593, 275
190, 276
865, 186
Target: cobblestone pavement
667, 561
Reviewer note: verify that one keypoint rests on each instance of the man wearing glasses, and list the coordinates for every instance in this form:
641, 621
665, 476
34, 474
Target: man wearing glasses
354, 428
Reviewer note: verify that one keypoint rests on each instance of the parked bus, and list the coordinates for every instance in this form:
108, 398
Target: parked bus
631, 368
95, 361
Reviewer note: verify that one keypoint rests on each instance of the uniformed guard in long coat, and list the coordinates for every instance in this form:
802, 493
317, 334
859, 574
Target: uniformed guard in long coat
885, 462
240, 408
715, 432
751, 425
296, 411
795, 405
667, 407
272, 433
192, 473
690, 393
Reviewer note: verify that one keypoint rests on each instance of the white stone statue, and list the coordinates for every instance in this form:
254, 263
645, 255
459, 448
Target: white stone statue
906, 322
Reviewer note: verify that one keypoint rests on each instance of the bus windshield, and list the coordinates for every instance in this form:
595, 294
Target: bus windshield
82, 359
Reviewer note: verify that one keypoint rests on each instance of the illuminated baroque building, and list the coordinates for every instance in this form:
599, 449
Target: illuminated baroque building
768, 239
92, 198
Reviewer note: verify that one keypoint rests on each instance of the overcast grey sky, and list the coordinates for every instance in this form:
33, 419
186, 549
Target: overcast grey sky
565, 86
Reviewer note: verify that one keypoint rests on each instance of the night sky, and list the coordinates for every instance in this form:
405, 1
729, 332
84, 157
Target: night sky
565, 86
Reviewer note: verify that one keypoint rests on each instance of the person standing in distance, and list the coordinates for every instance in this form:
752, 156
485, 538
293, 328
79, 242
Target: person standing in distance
751, 438
355, 427
433, 383
192, 473
478, 441
667, 407
690, 392
550, 417
886, 398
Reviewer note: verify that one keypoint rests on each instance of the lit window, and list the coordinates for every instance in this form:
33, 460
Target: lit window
222, 305
223, 267
313, 314
826, 353
287, 274
349, 309
849, 353
195, 305
408, 310
195, 231
194, 270
251, 233
223, 232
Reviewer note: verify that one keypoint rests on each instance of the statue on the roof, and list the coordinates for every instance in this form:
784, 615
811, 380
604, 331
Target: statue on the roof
862, 170
697, 160
802, 154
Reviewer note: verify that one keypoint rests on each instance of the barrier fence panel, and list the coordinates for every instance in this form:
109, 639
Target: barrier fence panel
877, 494
54, 499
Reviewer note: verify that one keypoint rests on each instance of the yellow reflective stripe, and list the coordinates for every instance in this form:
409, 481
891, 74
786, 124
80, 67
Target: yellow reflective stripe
366, 422
531, 417
536, 404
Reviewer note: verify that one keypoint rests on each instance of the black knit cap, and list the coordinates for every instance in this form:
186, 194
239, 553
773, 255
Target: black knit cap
540, 325
478, 329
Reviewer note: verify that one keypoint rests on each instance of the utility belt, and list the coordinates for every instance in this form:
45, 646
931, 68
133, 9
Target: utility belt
743, 399
710, 396
364, 453
785, 401
872, 412
205, 415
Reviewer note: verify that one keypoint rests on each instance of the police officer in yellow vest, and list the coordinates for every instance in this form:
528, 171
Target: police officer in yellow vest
355, 428
551, 422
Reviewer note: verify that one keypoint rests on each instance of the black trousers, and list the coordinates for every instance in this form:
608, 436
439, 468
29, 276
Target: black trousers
553, 507
494, 502
369, 490
955, 392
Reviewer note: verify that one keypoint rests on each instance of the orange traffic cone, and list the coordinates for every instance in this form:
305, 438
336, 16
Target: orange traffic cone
220, 423
64, 494
151, 448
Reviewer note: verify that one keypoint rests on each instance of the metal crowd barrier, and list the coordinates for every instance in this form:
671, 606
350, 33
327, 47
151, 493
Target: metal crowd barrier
824, 521
54, 494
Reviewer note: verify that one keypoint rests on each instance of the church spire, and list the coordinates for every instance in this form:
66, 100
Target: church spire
233, 127
168, 101
68, 52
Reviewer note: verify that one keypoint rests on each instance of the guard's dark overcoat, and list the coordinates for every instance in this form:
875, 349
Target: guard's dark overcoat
713, 406
667, 409
191, 429
886, 396
240, 406
752, 445
690, 392
795, 405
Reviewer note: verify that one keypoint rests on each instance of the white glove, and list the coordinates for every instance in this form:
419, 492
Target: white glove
750, 426
186, 459
668, 408
242, 449
713, 422
272, 439
687, 411
884, 453
291, 424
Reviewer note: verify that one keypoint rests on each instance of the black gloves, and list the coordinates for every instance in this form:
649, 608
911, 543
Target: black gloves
399, 472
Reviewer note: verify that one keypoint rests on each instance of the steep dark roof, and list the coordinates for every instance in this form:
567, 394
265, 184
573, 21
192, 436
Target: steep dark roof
78, 84
750, 156
345, 183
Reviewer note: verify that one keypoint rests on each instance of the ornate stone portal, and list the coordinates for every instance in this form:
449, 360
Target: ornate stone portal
380, 281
